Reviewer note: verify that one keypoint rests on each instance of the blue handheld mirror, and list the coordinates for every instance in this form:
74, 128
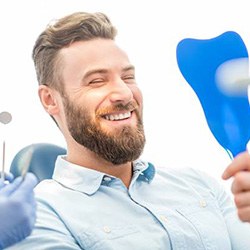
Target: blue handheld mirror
217, 70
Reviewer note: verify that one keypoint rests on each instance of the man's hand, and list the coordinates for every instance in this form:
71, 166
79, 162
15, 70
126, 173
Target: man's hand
240, 170
17, 210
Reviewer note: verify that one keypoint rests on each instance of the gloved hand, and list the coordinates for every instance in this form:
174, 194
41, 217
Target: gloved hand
7, 177
17, 210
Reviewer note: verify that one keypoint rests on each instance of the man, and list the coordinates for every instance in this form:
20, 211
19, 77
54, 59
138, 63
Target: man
102, 196
17, 209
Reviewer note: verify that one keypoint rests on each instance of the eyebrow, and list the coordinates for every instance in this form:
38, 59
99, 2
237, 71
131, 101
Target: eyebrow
103, 71
130, 67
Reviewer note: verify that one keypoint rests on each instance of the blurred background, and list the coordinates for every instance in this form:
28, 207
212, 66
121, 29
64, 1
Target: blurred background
176, 130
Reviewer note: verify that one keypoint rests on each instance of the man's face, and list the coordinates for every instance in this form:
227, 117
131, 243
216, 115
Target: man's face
102, 103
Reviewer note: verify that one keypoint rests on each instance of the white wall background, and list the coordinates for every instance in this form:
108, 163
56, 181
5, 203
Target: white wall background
176, 129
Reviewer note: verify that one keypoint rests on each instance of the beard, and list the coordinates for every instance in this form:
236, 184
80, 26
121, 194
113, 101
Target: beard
121, 146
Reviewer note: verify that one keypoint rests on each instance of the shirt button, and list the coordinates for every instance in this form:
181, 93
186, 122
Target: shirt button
106, 229
163, 218
107, 178
203, 203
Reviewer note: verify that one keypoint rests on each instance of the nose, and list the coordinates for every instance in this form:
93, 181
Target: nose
121, 92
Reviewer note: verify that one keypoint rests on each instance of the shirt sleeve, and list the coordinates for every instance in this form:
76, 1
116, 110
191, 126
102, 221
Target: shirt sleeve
49, 233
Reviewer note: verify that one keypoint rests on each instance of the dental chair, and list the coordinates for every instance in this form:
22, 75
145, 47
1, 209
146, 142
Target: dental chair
38, 158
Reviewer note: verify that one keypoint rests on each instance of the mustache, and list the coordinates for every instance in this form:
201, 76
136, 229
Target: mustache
119, 107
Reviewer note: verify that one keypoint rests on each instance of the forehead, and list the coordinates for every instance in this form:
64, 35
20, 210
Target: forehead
84, 55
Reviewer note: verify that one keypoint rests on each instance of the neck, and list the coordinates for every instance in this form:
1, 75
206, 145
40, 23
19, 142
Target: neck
86, 158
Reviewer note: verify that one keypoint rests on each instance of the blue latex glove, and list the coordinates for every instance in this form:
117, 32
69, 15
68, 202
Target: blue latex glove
7, 177
17, 210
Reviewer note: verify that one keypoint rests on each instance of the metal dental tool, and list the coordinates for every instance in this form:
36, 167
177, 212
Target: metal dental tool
25, 161
5, 118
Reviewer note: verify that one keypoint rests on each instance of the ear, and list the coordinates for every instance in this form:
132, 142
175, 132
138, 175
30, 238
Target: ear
49, 99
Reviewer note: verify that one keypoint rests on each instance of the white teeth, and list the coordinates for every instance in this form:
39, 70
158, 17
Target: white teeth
118, 116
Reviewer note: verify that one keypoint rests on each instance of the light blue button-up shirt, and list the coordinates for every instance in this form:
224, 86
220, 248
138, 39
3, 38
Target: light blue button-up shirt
181, 209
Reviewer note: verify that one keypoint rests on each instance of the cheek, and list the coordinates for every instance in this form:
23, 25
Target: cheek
137, 94
91, 100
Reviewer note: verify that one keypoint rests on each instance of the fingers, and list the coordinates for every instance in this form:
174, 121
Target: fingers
20, 186
240, 162
241, 182
7, 177
7, 190
241, 191
242, 201
26, 186
244, 214
240, 170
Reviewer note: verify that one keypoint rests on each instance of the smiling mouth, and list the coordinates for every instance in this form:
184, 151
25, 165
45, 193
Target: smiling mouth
118, 116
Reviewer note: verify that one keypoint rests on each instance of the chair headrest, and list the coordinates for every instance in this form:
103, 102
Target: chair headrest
42, 160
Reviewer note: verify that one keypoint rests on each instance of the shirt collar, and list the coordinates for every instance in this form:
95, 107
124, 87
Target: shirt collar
145, 170
88, 180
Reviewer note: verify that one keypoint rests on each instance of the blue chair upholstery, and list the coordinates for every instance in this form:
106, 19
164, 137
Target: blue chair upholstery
42, 160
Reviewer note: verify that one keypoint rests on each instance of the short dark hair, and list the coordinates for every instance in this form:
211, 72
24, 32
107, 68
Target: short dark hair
79, 26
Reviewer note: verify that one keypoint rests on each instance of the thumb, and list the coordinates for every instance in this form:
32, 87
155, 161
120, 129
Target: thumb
8, 189
7, 177
26, 186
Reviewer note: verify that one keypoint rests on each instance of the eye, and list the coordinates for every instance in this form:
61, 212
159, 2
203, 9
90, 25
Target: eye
129, 78
97, 81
